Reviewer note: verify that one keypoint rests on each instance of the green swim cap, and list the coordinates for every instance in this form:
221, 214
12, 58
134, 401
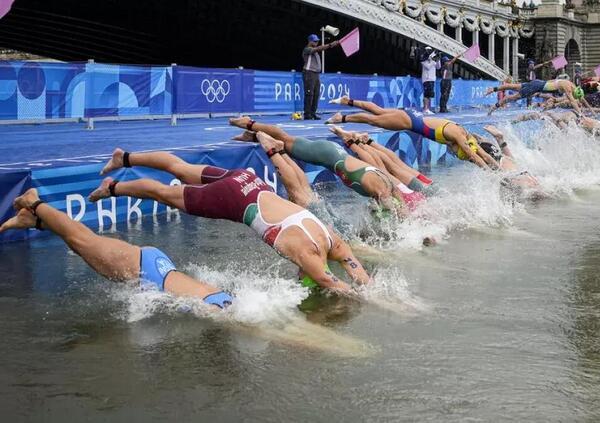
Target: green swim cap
578, 93
309, 282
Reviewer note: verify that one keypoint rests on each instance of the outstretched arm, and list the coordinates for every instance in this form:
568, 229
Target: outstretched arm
574, 103
342, 253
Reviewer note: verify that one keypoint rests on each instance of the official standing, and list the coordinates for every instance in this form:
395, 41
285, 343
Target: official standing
446, 83
310, 74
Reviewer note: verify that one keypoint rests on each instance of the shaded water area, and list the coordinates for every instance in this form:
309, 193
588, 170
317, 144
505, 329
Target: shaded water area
499, 321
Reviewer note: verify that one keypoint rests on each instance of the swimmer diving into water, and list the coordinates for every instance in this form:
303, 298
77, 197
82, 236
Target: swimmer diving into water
443, 131
366, 180
240, 196
114, 259
562, 119
516, 179
528, 89
378, 155
300, 192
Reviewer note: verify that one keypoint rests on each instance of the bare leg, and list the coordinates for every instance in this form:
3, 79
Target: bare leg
276, 132
505, 99
367, 106
399, 164
396, 121
503, 87
112, 258
299, 192
187, 173
171, 195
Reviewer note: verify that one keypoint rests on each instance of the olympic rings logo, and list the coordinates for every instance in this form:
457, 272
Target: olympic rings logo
215, 90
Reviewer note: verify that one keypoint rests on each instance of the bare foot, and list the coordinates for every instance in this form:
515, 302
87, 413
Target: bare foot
267, 142
241, 122
337, 118
362, 137
344, 100
495, 132
26, 200
116, 162
246, 136
339, 131
102, 191
23, 220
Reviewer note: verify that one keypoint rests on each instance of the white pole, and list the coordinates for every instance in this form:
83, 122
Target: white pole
323, 52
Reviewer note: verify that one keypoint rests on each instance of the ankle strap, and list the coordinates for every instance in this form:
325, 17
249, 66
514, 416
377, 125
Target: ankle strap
350, 102
126, 160
38, 224
271, 152
250, 124
34, 207
111, 187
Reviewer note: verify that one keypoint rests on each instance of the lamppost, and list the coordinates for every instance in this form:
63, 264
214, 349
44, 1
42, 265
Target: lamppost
329, 30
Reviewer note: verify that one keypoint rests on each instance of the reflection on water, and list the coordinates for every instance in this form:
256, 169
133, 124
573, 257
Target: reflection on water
584, 333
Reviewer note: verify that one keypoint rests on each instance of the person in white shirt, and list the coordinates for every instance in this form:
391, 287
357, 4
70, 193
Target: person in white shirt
430, 62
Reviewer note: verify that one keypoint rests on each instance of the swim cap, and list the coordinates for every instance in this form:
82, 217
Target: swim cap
313, 38
445, 59
309, 282
531, 62
492, 150
578, 93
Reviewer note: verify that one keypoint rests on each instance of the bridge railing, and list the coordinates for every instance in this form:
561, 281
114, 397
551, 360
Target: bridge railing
49, 91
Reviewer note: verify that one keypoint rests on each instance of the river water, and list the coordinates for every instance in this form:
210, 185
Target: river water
500, 321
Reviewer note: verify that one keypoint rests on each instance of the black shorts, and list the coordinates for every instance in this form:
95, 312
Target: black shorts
429, 89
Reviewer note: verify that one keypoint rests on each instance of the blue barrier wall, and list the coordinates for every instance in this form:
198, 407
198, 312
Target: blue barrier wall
67, 187
40, 90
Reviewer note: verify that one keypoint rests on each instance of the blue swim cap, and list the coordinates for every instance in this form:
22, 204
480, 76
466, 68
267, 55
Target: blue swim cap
313, 38
445, 59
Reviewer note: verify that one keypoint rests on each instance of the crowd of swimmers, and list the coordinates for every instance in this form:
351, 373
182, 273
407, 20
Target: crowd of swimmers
296, 227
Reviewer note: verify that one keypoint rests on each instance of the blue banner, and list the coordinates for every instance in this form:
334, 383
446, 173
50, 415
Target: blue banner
32, 90
211, 90
39, 91
119, 90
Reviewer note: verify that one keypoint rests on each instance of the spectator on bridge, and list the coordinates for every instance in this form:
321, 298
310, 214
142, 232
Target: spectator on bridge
446, 83
430, 62
310, 74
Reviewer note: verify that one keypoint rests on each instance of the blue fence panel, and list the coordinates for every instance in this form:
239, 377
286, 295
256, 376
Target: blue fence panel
120, 90
468, 93
209, 90
276, 92
32, 90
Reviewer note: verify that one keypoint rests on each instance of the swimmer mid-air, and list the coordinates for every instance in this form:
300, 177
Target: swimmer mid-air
114, 259
443, 131
298, 187
240, 196
367, 180
528, 89
562, 119
377, 155
517, 179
